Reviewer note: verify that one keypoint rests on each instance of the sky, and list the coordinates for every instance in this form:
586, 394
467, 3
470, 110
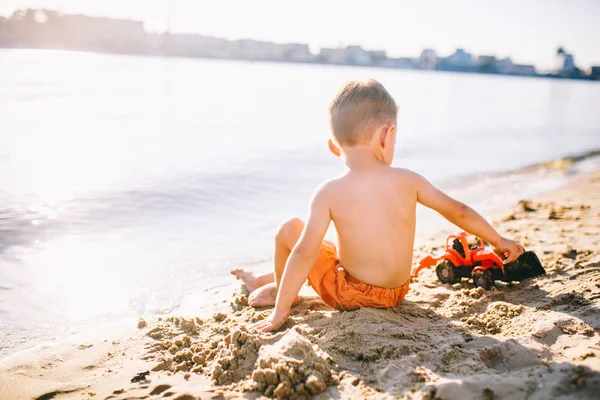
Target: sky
528, 31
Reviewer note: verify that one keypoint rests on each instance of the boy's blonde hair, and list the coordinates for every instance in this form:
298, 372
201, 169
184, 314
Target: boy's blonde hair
358, 109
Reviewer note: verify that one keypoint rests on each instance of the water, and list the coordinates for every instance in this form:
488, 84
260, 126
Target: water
131, 185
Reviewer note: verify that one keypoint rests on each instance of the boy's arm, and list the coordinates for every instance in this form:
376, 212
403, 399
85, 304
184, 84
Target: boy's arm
466, 218
300, 262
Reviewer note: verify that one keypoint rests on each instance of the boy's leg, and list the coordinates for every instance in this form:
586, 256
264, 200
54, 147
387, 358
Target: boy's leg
263, 288
251, 280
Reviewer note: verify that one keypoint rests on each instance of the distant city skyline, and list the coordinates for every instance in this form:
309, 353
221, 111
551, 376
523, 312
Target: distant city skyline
528, 32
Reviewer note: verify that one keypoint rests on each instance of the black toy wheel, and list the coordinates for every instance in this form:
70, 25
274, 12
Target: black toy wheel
445, 272
483, 279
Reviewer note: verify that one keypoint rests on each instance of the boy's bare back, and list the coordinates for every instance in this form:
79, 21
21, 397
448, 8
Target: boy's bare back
374, 216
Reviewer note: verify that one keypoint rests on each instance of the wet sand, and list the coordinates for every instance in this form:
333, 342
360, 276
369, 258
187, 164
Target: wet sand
536, 339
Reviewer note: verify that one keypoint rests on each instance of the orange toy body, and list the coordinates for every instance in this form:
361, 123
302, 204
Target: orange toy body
462, 259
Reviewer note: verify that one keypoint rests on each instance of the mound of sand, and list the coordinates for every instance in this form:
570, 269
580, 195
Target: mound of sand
292, 367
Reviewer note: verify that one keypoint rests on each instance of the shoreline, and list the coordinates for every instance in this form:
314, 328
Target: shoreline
535, 339
585, 78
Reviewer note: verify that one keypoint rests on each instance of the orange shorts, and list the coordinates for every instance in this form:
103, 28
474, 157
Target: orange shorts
338, 289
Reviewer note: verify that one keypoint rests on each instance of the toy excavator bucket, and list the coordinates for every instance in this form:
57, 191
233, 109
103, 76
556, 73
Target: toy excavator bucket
427, 262
526, 266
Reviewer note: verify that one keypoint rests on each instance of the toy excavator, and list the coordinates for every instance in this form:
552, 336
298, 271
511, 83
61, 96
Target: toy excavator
464, 259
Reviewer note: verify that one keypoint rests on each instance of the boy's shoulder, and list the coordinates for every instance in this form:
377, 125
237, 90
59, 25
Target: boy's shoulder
405, 176
330, 184
404, 172
329, 188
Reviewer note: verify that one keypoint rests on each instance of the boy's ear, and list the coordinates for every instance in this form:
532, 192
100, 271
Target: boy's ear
388, 136
333, 148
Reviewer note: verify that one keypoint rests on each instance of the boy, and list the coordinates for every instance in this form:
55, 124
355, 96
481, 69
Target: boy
372, 207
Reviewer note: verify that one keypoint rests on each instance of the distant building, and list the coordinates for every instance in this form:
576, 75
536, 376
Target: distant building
218, 48
378, 57
526, 70
400, 63
194, 45
100, 33
566, 63
595, 73
505, 66
332, 55
487, 64
428, 59
357, 56
250, 49
298, 52
405, 62
461, 60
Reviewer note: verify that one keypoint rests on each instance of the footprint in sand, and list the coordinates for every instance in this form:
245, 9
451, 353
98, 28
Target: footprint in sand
159, 389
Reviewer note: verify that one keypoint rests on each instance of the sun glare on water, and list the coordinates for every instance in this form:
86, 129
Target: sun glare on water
81, 277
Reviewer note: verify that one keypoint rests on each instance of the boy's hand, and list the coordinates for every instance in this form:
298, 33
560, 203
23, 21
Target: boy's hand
273, 322
508, 250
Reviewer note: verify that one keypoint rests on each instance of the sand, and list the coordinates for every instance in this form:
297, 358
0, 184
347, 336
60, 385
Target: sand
537, 339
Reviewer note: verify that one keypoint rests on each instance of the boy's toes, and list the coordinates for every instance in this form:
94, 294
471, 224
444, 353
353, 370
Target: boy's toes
237, 273
247, 278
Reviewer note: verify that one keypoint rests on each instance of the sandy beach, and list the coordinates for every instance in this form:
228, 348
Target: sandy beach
537, 339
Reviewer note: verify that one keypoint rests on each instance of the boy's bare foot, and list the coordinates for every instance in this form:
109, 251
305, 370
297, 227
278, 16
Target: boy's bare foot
248, 279
264, 296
